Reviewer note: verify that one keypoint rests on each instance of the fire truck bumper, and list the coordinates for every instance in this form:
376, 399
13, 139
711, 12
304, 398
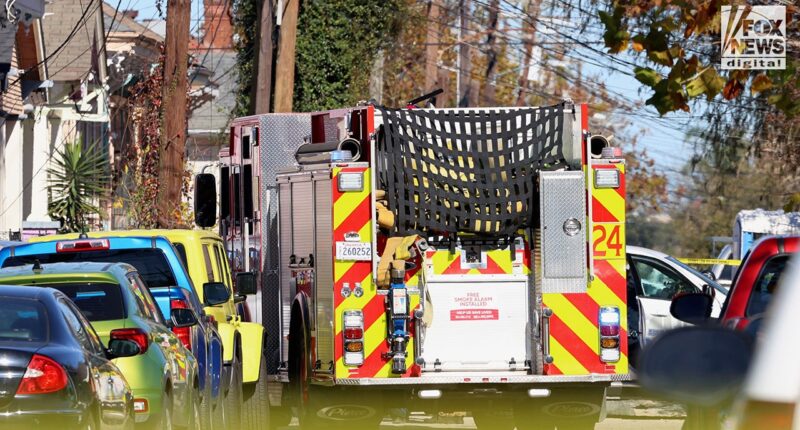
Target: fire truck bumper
473, 379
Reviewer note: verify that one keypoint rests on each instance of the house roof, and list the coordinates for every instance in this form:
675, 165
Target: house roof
116, 22
65, 21
213, 114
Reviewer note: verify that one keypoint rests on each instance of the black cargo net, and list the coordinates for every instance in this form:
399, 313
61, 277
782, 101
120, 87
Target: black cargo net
450, 171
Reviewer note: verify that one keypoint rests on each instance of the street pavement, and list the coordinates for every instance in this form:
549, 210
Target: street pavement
628, 414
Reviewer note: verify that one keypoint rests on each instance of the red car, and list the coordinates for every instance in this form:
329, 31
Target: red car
752, 287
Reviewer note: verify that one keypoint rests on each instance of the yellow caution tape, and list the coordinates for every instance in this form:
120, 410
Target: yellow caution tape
710, 261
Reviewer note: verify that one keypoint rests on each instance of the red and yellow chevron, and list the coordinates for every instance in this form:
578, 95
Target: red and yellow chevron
498, 262
352, 213
574, 330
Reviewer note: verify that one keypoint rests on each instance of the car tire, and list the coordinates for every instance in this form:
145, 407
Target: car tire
255, 407
233, 398
90, 423
206, 408
164, 420
193, 415
219, 416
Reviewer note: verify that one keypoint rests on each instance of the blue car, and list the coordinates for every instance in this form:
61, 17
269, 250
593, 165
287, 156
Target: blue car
159, 265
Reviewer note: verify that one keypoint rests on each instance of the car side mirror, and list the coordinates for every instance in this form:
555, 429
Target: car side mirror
183, 317
692, 308
215, 293
205, 200
702, 366
246, 283
118, 348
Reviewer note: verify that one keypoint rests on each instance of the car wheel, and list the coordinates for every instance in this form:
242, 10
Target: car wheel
233, 399
256, 409
219, 416
206, 408
193, 416
164, 420
89, 422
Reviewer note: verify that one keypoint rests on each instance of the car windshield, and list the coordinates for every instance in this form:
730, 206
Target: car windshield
97, 301
711, 283
22, 320
765, 286
151, 263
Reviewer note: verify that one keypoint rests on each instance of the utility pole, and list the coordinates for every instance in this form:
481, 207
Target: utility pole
464, 62
529, 35
284, 72
263, 84
489, 91
173, 136
432, 48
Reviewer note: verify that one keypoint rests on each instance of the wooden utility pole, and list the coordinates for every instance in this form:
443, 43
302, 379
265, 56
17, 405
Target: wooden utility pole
464, 59
489, 91
263, 84
284, 72
432, 48
173, 135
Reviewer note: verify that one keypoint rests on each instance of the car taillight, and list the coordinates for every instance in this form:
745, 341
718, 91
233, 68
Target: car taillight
353, 334
767, 415
42, 376
135, 335
184, 333
609, 334
83, 245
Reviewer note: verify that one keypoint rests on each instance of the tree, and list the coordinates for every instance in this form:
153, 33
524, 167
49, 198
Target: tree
78, 178
245, 21
336, 46
680, 42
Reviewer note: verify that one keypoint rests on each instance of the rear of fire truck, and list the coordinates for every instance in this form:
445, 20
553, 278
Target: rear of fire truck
443, 259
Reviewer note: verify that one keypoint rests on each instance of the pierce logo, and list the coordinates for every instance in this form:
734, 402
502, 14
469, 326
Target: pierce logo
753, 37
345, 412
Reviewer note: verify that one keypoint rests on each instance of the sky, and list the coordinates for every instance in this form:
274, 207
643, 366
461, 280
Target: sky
662, 138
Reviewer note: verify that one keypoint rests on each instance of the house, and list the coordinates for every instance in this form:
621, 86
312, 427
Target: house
24, 88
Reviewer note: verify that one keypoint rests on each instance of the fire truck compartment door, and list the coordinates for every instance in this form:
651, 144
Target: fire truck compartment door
476, 326
563, 241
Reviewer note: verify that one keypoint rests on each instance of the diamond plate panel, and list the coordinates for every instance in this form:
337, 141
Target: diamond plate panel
279, 137
563, 202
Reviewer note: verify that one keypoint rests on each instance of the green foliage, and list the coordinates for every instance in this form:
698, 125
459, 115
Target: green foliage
79, 176
245, 21
681, 40
336, 45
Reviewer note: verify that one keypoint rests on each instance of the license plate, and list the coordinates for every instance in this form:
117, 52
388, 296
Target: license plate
358, 251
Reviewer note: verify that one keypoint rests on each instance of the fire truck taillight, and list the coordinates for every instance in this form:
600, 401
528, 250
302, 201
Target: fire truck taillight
350, 181
609, 334
353, 333
606, 178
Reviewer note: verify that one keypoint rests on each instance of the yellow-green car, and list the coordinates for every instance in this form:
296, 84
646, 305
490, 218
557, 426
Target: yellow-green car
245, 376
163, 376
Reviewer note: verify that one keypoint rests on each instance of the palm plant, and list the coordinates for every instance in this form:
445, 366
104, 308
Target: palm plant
78, 177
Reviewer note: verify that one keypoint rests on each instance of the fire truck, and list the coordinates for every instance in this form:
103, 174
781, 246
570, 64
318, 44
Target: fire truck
431, 259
